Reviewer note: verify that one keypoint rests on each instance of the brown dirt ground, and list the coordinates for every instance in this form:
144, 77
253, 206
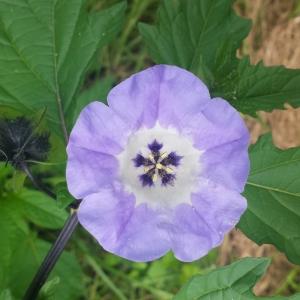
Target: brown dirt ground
275, 40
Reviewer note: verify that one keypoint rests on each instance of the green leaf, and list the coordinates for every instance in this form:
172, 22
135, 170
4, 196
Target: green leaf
16, 183
13, 229
98, 91
49, 287
27, 258
21, 253
63, 197
203, 37
273, 194
68, 270
42, 210
46, 48
251, 88
191, 33
5, 295
233, 282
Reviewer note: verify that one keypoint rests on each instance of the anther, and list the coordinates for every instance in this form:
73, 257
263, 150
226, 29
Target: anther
163, 156
151, 157
154, 177
148, 168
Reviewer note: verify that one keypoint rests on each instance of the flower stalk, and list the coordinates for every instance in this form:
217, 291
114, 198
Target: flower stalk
52, 257
56, 250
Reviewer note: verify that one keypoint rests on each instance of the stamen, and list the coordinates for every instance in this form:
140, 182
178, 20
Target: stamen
148, 168
163, 156
168, 170
154, 177
151, 157
157, 165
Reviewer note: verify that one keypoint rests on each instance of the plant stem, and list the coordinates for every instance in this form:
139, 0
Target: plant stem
57, 248
25, 168
52, 257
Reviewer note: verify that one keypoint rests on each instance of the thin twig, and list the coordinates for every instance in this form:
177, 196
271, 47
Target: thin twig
4, 154
57, 248
39, 186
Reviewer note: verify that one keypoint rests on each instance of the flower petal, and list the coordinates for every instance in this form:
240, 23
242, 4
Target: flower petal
88, 171
121, 228
99, 129
220, 207
217, 124
227, 164
181, 94
191, 238
161, 93
136, 98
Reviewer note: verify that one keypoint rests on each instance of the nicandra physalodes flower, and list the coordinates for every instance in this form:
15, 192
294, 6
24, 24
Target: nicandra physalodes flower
160, 168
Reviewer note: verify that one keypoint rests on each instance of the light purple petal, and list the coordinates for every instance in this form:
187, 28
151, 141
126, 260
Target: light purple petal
217, 124
136, 98
88, 171
227, 164
181, 95
121, 228
221, 208
164, 93
99, 129
191, 238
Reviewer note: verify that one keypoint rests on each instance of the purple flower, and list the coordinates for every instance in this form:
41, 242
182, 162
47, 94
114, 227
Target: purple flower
161, 168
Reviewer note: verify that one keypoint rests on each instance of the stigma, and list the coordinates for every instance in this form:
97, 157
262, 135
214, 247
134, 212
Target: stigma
157, 165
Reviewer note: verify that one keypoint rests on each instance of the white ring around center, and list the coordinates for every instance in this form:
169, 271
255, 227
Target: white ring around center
187, 173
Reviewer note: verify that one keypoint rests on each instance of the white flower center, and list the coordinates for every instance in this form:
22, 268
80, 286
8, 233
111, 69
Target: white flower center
160, 167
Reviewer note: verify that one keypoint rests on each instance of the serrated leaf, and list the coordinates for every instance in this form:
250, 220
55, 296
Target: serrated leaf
233, 282
191, 33
256, 87
46, 48
203, 37
273, 195
42, 210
